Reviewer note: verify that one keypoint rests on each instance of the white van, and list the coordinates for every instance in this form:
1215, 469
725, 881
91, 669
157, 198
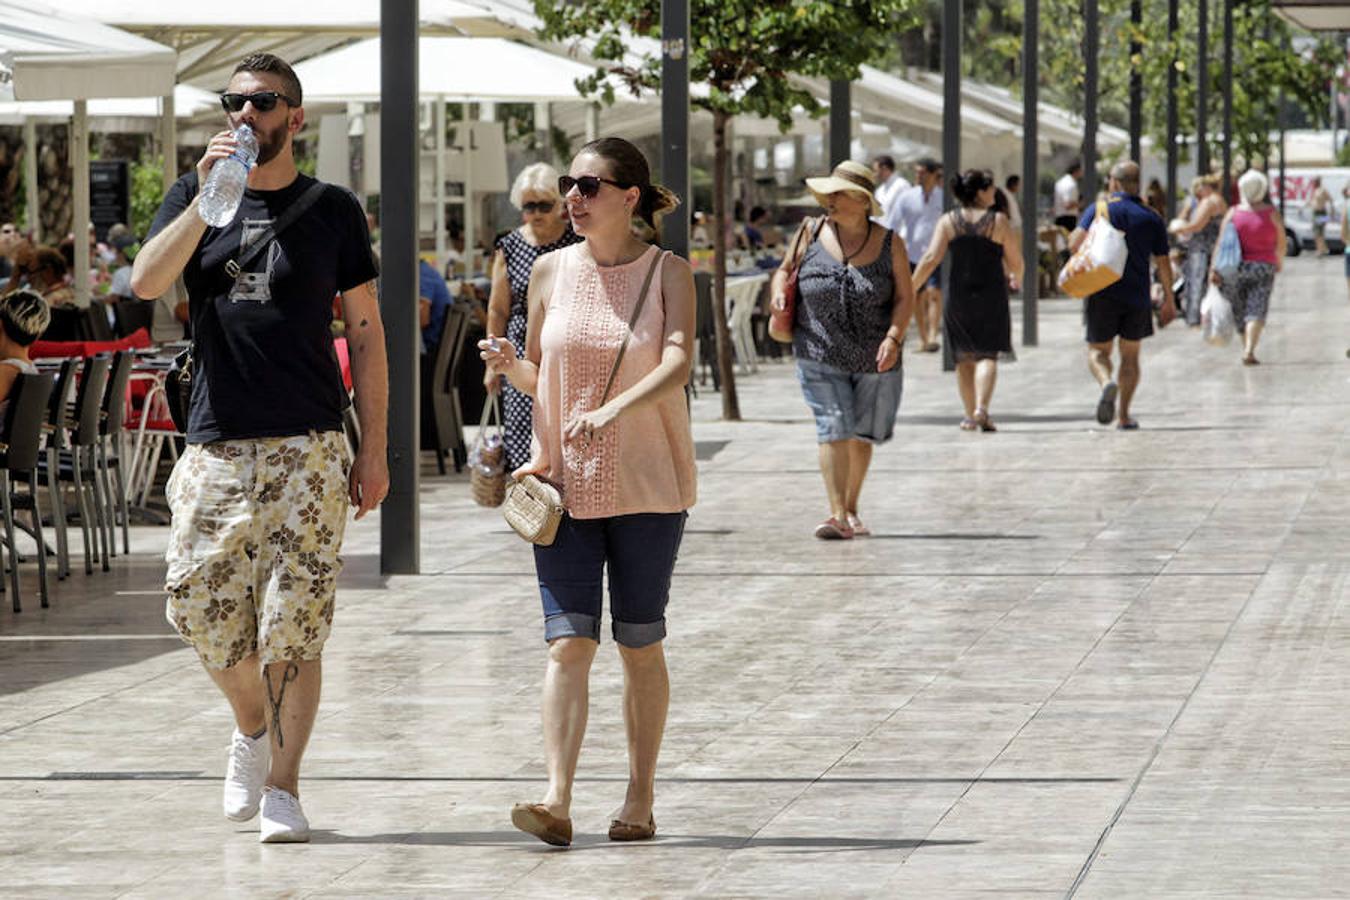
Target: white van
1298, 220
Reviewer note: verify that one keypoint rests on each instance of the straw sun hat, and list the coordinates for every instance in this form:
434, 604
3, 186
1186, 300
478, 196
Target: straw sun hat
847, 176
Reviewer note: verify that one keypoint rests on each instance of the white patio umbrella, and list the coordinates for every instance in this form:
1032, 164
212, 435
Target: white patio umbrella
450, 69
46, 54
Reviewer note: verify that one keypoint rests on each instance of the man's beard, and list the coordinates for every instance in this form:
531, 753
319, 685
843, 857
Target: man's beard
271, 143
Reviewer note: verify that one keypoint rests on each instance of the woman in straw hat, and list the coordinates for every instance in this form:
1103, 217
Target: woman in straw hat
986, 263
854, 301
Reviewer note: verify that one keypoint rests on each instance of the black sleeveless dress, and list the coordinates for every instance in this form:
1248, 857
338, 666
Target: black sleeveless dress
976, 315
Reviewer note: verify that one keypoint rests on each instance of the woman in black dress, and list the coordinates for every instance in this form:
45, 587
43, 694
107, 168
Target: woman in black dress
986, 264
544, 228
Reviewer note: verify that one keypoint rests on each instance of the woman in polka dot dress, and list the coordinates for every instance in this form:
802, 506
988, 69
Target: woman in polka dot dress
544, 228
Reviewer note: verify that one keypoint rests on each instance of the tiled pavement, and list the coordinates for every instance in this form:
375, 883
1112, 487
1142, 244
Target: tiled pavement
1072, 661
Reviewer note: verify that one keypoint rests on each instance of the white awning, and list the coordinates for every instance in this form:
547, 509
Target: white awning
463, 69
46, 54
188, 102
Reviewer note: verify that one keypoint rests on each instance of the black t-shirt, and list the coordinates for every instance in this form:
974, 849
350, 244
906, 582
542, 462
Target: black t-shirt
264, 363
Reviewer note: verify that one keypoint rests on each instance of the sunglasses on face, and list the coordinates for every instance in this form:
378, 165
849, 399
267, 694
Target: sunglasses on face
537, 206
587, 185
263, 101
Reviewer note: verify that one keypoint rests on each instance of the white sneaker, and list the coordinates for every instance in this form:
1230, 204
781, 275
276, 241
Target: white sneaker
245, 775
283, 821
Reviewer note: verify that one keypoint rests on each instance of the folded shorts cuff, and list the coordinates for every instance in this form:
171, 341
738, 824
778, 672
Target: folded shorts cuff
571, 624
635, 635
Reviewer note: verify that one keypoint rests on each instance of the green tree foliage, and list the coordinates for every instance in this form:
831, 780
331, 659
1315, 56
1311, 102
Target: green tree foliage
746, 53
147, 192
1262, 67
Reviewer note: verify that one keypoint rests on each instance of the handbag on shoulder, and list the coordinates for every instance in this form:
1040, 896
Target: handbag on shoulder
1099, 261
781, 320
178, 389
533, 507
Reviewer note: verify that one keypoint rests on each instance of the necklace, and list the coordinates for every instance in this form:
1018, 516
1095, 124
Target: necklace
840, 238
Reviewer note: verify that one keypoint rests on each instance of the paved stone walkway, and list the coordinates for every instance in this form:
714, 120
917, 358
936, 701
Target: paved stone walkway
1071, 662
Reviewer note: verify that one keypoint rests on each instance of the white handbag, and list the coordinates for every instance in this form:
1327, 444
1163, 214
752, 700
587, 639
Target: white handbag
1099, 261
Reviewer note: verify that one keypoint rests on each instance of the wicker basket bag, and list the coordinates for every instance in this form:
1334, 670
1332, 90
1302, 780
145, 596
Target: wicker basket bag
487, 458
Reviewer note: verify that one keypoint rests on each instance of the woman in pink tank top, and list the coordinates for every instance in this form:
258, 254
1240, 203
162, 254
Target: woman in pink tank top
623, 457
1260, 231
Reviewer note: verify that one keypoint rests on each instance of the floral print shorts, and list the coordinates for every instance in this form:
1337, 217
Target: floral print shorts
253, 549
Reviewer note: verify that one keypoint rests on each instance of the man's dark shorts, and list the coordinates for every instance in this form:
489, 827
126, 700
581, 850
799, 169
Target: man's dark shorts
1109, 318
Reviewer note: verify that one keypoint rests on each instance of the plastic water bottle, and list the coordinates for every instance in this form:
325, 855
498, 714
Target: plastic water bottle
225, 184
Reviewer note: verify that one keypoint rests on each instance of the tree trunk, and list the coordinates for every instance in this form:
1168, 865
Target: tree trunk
731, 408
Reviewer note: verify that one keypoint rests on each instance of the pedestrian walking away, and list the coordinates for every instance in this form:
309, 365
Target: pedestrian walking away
622, 455
544, 227
1120, 316
853, 304
259, 497
914, 218
1260, 232
986, 264
1201, 233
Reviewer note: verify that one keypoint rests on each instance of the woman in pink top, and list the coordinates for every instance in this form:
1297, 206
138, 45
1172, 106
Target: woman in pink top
625, 465
1260, 231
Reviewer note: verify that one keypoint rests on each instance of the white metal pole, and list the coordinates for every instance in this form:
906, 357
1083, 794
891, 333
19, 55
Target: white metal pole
470, 213
592, 121
79, 134
168, 124
438, 122
30, 178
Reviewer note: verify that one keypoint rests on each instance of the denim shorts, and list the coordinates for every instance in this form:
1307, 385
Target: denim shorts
851, 406
639, 551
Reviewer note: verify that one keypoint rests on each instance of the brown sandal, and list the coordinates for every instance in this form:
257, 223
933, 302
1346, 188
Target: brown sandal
627, 831
535, 819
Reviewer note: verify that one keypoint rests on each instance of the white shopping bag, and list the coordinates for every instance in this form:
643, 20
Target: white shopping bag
1099, 261
1216, 317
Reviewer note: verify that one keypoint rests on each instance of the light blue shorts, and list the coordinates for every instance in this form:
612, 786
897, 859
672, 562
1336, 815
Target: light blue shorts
851, 406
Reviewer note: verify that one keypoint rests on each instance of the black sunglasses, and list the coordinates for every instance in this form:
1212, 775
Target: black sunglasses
263, 101
537, 206
587, 185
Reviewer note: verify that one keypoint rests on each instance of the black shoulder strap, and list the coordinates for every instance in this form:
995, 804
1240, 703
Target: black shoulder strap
280, 224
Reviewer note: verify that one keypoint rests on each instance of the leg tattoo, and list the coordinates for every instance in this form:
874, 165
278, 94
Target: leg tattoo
292, 672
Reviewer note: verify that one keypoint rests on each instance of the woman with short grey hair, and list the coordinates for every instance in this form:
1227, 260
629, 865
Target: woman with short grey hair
1260, 231
543, 229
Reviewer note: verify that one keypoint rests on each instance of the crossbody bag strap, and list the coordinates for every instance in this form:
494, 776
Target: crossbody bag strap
234, 267
632, 323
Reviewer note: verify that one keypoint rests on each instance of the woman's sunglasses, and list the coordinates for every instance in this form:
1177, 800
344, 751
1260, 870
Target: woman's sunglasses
587, 185
537, 206
263, 101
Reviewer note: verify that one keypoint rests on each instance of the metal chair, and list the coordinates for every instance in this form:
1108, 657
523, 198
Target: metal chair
57, 440
75, 463
442, 421
21, 452
133, 315
110, 449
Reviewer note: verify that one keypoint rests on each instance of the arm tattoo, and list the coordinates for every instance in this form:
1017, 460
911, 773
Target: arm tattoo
365, 322
291, 673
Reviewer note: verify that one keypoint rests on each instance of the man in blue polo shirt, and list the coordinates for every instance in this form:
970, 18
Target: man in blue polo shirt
1124, 310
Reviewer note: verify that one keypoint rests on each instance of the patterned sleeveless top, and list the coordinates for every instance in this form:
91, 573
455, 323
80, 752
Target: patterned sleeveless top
643, 462
520, 255
843, 312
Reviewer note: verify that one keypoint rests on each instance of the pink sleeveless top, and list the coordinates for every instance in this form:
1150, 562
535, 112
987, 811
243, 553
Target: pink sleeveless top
643, 461
1256, 233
